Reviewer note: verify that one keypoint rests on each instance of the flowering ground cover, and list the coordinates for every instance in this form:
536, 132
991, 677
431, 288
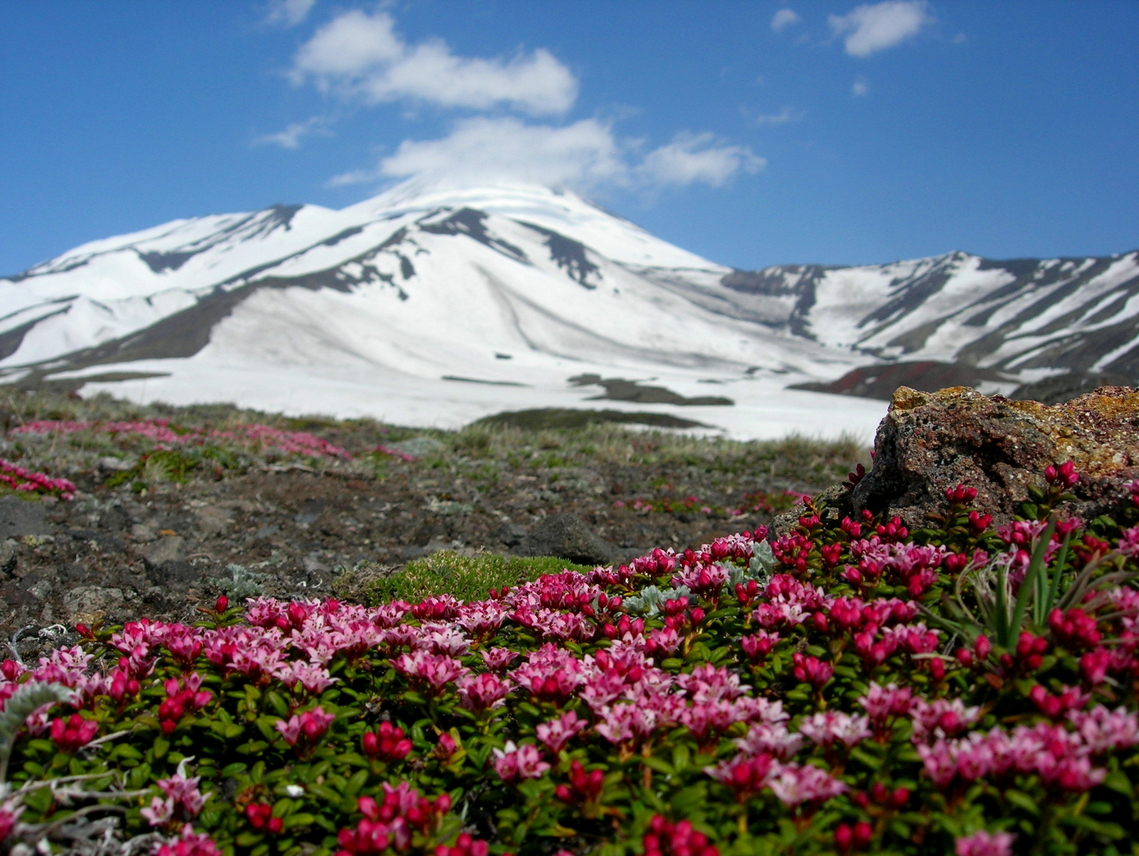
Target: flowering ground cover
848, 687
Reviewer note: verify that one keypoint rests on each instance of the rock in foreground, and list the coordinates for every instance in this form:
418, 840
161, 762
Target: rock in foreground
930, 442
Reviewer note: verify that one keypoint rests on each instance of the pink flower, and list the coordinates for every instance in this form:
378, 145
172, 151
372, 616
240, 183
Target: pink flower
767, 738
793, 784
981, 843
707, 683
830, 726
552, 673
884, 703
73, 733
519, 762
557, 732
941, 717
482, 692
759, 644
314, 678
443, 639
183, 800
386, 742
437, 670
1104, 730
498, 659
189, 843
309, 725
811, 670
746, 775
10, 812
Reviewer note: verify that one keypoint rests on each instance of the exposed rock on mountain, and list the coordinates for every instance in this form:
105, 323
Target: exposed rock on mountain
381, 307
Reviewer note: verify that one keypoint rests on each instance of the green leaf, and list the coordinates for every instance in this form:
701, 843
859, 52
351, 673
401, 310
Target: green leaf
353, 788
295, 821
681, 757
659, 764
161, 747
1022, 800
233, 769
1117, 781
864, 757
280, 707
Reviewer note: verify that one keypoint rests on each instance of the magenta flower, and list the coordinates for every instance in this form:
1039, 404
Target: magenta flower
982, 843
498, 659
183, 800
884, 703
73, 733
746, 775
436, 670
766, 738
519, 762
482, 692
314, 678
558, 732
811, 670
1104, 730
552, 673
794, 785
830, 726
309, 725
941, 717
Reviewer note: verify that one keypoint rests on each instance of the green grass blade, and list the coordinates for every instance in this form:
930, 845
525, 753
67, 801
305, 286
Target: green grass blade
1054, 589
1000, 611
1028, 585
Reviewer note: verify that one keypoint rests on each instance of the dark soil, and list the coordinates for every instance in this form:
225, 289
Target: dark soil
298, 526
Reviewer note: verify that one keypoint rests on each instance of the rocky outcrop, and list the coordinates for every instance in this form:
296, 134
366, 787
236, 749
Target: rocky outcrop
930, 442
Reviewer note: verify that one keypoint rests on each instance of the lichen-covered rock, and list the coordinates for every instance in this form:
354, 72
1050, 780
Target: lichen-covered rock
930, 442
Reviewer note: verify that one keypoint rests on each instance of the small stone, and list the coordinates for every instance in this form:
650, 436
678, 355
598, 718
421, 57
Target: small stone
168, 548
8, 560
171, 571
20, 517
90, 603
142, 533
567, 536
213, 520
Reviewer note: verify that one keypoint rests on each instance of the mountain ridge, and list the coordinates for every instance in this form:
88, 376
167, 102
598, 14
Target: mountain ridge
420, 285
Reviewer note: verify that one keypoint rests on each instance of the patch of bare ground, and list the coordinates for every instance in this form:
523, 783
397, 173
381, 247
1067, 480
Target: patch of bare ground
168, 535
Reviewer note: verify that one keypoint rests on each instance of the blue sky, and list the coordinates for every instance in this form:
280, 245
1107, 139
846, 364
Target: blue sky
751, 133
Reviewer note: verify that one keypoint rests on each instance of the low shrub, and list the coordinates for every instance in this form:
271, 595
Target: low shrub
29, 482
866, 689
468, 578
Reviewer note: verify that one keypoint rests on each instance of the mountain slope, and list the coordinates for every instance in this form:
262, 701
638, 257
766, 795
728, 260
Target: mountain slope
438, 306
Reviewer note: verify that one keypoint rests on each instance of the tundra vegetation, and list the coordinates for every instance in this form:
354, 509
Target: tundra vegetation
846, 686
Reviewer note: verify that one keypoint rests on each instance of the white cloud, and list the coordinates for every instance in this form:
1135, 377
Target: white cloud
504, 149
290, 138
692, 158
784, 18
288, 13
870, 28
585, 154
861, 87
360, 55
787, 114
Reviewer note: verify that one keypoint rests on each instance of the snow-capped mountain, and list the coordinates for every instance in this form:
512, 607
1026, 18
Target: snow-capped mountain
436, 307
